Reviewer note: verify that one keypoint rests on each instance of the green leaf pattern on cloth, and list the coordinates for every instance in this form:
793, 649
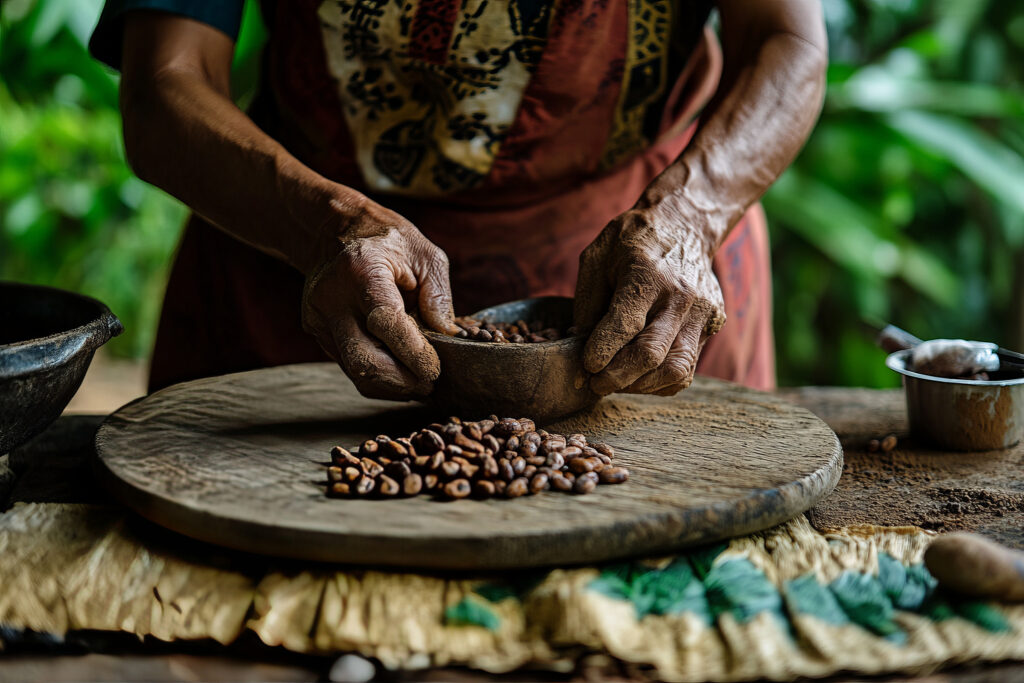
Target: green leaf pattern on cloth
708, 586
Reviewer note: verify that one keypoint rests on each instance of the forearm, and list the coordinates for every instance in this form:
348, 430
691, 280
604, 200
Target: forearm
183, 134
766, 106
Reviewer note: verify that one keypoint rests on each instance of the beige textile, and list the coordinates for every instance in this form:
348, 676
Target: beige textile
65, 567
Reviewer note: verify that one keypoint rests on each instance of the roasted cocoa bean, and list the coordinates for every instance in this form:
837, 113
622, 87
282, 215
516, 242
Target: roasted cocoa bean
506, 471
335, 474
393, 450
604, 449
518, 465
570, 452
341, 456
353, 473
370, 468
488, 467
365, 485
517, 487
529, 449
368, 448
585, 483
490, 443
397, 470
555, 461
561, 483
458, 488
483, 488
579, 465
412, 484
387, 486
536, 461
450, 469
529, 471
507, 427
428, 441
339, 489
577, 440
613, 475
430, 481
538, 483
467, 444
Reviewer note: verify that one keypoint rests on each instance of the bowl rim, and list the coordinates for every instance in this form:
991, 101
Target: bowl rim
897, 362
60, 347
447, 338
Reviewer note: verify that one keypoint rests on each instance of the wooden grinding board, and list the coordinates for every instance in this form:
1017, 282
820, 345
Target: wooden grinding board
238, 461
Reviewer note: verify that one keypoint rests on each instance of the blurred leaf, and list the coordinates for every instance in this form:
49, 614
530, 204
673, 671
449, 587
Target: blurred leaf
876, 89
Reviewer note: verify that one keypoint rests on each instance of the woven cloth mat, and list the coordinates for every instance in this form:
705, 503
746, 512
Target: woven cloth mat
779, 604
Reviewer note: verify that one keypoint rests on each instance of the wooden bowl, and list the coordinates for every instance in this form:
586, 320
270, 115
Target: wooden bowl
542, 381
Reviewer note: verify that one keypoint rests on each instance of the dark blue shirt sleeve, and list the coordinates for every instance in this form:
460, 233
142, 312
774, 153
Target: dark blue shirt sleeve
105, 44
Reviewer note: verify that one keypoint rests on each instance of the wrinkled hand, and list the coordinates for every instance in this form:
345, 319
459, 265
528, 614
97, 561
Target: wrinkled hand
647, 290
353, 305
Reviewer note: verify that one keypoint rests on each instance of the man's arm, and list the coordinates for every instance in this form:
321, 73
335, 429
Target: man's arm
184, 134
646, 286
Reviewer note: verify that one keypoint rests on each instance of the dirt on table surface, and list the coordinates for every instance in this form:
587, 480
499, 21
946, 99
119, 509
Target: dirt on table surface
913, 484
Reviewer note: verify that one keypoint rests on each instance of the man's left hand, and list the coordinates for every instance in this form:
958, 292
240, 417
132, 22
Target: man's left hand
647, 290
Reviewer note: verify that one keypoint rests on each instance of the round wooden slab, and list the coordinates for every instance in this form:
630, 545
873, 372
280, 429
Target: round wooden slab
239, 461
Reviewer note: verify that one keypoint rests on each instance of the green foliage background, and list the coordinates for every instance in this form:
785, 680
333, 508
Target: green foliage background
907, 204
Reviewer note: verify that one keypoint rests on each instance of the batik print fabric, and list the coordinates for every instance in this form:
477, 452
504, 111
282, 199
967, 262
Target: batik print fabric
431, 89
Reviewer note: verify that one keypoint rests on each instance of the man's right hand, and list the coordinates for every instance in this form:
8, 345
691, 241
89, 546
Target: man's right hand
353, 303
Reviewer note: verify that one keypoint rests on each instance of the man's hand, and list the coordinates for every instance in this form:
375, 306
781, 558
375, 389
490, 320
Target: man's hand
353, 305
647, 290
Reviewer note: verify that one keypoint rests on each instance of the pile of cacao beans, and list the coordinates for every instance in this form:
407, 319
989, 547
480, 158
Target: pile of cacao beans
519, 332
494, 457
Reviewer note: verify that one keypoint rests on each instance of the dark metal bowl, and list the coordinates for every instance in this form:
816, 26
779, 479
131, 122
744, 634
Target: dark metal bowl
47, 340
542, 381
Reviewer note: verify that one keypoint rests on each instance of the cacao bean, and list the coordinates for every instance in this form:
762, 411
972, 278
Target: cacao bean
517, 487
412, 484
365, 485
613, 475
387, 486
339, 489
458, 488
370, 468
483, 488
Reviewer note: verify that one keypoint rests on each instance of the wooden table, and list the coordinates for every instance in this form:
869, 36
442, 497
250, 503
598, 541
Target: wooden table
55, 468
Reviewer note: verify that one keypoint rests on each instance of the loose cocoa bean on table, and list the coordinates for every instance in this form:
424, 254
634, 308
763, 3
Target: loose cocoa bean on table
519, 332
491, 458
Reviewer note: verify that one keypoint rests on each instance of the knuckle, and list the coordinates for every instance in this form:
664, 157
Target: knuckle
648, 356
